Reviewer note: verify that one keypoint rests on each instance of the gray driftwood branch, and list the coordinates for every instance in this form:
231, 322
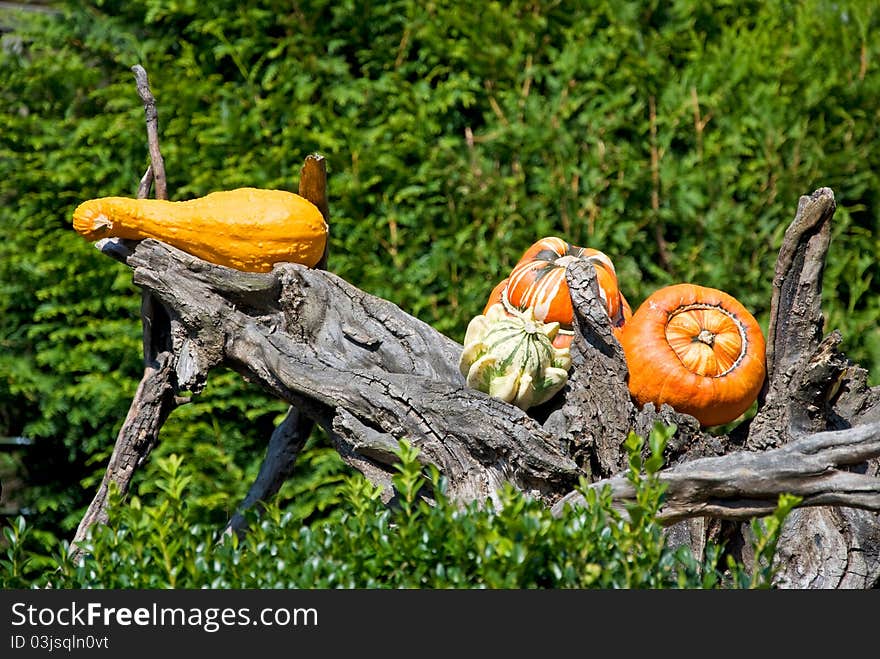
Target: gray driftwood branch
812, 387
365, 370
371, 375
745, 484
155, 397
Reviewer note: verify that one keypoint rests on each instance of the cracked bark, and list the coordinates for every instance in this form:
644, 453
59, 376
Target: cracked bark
812, 387
370, 375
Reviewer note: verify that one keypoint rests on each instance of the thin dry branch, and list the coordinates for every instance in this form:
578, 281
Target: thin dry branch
285, 444
747, 484
153, 401
146, 183
157, 162
156, 396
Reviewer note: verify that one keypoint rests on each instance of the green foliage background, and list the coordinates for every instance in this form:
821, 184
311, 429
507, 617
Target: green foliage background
675, 136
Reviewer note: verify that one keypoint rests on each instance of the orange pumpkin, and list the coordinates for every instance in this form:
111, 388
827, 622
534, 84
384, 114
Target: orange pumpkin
538, 281
496, 296
697, 349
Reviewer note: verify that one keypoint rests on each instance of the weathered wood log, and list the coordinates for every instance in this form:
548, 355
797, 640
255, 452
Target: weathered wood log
811, 387
397, 376
155, 397
372, 375
386, 370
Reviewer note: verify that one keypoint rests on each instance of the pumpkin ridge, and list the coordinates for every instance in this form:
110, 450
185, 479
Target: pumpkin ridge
508, 305
499, 336
510, 360
542, 292
670, 379
699, 306
541, 269
533, 350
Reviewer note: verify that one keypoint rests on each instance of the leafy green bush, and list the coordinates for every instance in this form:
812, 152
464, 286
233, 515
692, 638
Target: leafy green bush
514, 543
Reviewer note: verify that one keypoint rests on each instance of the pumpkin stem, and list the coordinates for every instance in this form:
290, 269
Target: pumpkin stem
707, 337
529, 327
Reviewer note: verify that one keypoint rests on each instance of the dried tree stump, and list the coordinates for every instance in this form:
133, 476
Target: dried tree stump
370, 375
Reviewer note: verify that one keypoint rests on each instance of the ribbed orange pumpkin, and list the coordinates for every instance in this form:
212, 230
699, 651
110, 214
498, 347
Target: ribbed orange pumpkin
538, 281
697, 349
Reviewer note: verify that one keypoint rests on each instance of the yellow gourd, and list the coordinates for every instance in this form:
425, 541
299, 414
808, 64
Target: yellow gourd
247, 229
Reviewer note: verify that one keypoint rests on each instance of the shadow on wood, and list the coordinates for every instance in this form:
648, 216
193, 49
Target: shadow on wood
371, 374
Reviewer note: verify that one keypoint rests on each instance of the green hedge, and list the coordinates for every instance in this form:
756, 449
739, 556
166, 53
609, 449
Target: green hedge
674, 136
513, 543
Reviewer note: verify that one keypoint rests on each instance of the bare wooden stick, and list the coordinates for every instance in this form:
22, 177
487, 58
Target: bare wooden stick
152, 403
157, 162
155, 397
812, 387
285, 444
747, 484
146, 183
597, 409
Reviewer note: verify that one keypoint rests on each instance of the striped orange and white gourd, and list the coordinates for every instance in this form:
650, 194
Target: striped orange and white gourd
538, 282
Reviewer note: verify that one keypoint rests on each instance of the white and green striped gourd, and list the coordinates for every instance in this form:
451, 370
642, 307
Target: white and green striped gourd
512, 357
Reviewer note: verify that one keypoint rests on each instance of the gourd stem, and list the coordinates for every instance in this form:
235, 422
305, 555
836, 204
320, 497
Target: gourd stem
707, 337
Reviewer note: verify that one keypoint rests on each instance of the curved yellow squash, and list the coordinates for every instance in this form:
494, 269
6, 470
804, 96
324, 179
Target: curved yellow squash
247, 229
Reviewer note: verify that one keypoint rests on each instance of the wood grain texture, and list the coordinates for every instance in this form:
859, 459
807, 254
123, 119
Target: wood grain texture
747, 484
371, 375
